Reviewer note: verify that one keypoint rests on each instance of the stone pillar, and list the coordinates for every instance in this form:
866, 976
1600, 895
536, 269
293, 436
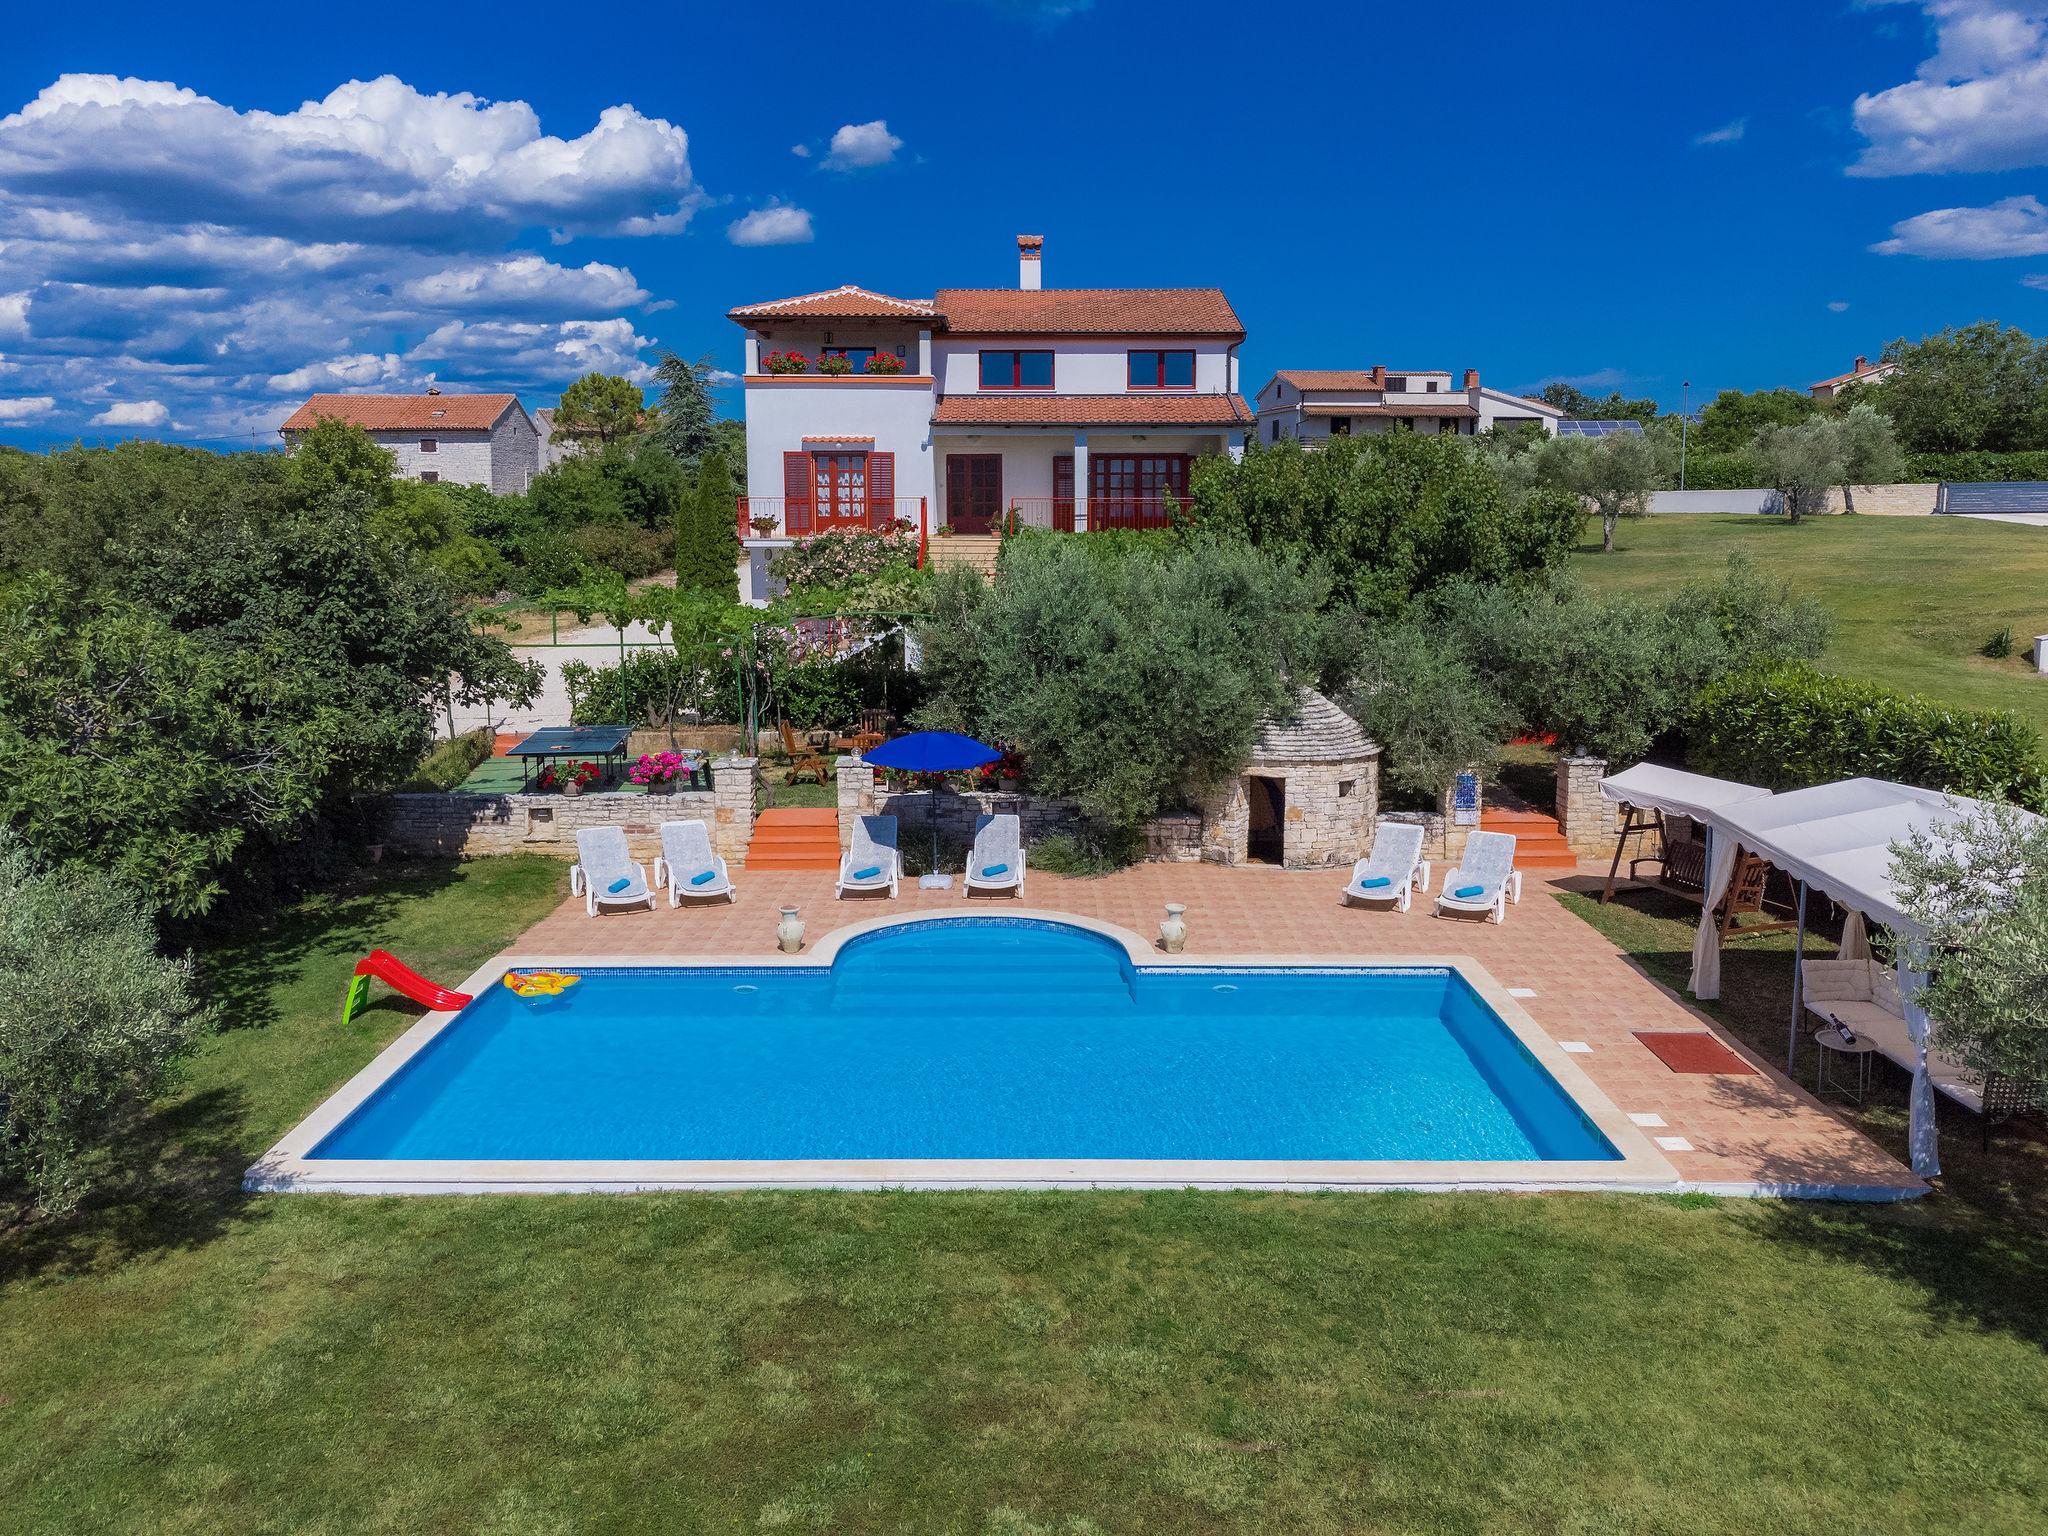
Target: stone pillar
1585, 816
734, 782
856, 781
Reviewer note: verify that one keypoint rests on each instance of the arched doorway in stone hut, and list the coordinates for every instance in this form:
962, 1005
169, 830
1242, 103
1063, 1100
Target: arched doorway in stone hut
1266, 831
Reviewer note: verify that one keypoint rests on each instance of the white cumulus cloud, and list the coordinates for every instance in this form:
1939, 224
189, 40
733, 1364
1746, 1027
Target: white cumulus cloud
1727, 133
777, 224
2012, 226
1838, 306
2035, 280
26, 407
133, 413
1976, 104
859, 145
185, 262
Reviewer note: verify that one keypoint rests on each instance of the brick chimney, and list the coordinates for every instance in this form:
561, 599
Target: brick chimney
1862, 365
1379, 376
1029, 249
1471, 378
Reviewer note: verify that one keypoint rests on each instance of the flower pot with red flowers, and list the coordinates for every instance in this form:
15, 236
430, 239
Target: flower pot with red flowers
786, 362
580, 778
764, 527
838, 364
884, 363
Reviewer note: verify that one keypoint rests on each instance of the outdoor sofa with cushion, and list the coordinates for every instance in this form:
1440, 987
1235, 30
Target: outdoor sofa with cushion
996, 861
605, 873
1864, 994
1485, 880
1395, 868
872, 862
687, 865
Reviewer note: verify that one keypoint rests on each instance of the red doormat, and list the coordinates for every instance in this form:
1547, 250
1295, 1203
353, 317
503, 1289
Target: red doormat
1692, 1050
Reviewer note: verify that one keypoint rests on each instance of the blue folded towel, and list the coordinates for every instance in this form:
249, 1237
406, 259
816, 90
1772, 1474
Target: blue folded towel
707, 876
1463, 892
1375, 882
869, 873
618, 885
990, 871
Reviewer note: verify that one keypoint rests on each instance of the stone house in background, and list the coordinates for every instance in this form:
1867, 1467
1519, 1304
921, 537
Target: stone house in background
486, 440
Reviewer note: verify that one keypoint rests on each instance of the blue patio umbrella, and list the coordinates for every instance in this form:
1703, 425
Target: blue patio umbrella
932, 752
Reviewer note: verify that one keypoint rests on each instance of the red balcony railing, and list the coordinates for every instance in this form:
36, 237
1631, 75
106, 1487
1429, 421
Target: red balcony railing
799, 517
1060, 513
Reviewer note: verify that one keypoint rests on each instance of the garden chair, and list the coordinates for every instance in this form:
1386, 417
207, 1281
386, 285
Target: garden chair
605, 874
872, 862
1394, 870
996, 861
688, 866
1485, 880
803, 763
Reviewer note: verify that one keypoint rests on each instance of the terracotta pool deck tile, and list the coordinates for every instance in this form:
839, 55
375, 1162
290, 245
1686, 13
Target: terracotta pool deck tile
1746, 1131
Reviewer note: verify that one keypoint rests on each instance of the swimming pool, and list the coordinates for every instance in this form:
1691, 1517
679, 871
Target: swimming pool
968, 1050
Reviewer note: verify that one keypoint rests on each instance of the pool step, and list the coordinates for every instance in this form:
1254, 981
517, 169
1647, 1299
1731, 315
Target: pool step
1539, 840
795, 839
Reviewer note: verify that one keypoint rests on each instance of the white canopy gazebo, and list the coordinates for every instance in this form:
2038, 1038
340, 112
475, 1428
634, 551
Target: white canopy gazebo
1661, 791
1837, 839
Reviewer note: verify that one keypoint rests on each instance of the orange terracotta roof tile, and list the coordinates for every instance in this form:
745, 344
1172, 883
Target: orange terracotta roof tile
844, 303
1352, 378
404, 413
995, 410
1088, 312
1427, 405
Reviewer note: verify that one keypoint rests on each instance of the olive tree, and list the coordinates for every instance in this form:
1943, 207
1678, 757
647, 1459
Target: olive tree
93, 1021
1869, 452
1431, 712
1801, 463
1614, 474
1132, 676
1979, 894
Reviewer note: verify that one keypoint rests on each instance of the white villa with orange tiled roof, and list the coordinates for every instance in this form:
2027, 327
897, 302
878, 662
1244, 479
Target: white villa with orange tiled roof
486, 440
1865, 372
1313, 405
1077, 408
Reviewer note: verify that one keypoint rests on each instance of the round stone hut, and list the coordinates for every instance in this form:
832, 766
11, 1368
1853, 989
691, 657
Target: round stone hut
1308, 797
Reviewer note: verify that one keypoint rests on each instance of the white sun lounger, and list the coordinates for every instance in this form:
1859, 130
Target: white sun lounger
688, 866
1395, 868
1489, 864
873, 848
996, 861
602, 861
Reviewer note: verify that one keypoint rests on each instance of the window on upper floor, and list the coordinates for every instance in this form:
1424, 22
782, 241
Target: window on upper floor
1016, 370
1276, 432
430, 445
1162, 370
1398, 385
1340, 426
1435, 385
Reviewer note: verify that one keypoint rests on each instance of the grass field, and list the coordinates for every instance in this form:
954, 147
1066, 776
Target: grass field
1914, 598
185, 1358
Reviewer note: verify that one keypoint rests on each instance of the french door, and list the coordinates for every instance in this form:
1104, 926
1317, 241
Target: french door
1130, 490
839, 487
974, 491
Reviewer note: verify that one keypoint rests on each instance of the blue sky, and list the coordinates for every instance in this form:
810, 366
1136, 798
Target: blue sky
1625, 196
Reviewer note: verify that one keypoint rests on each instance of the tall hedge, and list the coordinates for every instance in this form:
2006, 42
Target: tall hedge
1786, 727
1978, 467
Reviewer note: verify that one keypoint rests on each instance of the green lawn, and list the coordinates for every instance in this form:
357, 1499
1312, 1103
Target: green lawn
1915, 598
183, 1358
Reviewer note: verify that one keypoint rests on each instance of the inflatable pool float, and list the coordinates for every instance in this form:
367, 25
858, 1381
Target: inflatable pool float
539, 983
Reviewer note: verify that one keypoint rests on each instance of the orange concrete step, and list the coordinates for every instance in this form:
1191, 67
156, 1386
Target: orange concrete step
1539, 840
795, 839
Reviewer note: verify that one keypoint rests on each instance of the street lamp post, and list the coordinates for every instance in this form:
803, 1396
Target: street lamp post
1684, 421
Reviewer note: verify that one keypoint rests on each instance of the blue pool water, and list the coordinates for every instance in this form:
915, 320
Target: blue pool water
983, 1038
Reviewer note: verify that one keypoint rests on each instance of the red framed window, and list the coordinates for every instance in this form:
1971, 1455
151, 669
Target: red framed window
1139, 479
839, 484
1016, 370
1162, 370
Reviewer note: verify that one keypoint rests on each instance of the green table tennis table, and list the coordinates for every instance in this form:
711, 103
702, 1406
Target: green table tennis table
576, 744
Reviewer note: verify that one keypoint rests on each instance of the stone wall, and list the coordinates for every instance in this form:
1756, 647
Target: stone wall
474, 825
1586, 816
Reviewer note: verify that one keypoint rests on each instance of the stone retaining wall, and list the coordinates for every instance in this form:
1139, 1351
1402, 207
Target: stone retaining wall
473, 825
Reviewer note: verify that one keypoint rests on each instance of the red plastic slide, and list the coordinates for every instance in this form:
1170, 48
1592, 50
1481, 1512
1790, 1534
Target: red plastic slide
400, 977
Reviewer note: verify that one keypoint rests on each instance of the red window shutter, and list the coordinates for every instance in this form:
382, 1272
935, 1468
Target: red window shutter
882, 483
796, 477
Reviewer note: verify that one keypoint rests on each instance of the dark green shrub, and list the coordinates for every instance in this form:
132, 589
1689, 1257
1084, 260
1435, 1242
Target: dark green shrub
632, 552
652, 688
1999, 646
1087, 851
1978, 467
1789, 726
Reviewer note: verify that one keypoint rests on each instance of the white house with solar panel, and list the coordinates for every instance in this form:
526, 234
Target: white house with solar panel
1600, 426
1312, 405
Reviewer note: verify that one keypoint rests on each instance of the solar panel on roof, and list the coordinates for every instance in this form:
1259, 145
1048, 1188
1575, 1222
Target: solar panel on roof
1589, 427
